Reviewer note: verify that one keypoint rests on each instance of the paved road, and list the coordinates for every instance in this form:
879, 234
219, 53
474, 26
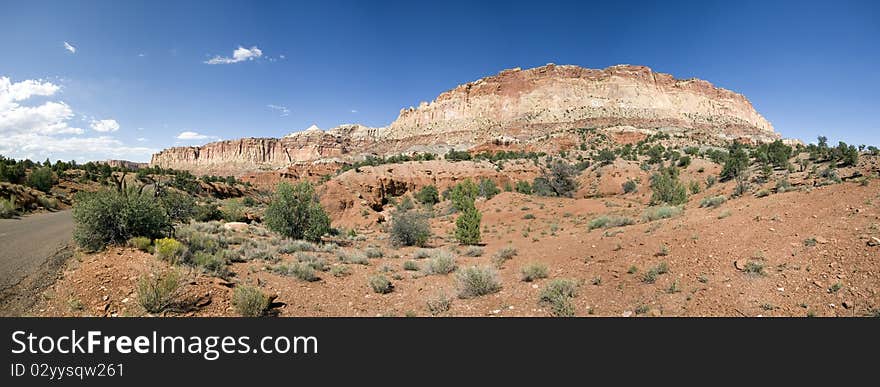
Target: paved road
32, 249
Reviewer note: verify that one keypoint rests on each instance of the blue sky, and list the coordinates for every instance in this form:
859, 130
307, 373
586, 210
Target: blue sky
138, 78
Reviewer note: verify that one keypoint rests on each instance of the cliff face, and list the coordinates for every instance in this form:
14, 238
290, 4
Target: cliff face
526, 103
516, 106
252, 154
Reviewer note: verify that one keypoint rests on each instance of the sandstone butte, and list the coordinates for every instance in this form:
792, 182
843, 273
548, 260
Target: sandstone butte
519, 107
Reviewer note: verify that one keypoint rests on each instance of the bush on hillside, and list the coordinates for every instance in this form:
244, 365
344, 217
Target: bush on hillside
296, 213
111, 217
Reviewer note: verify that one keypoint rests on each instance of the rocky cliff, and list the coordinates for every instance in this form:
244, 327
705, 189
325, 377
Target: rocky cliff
524, 103
514, 106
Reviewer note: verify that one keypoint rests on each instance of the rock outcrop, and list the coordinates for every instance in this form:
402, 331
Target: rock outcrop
529, 103
513, 107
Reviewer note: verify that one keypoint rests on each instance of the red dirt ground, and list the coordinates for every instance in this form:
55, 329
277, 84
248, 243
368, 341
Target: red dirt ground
706, 252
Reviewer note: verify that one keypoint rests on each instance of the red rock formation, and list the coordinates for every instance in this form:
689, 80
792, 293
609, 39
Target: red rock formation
511, 108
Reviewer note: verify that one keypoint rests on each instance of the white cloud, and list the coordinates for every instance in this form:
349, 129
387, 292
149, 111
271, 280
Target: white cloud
49, 118
70, 47
282, 110
141, 139
105, 126
141, 55
43, 130
354, 111
38, 147
189, 135
240, 54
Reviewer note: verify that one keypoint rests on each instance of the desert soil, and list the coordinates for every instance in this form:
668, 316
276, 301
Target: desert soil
835, 273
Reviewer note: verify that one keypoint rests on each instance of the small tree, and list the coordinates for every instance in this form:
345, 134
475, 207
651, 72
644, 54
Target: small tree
409, 229
428, 195
561, 179
667, 188
111, 217
488, 189
467, 226
464, 194
42, 179
524, 187
736, 164
179, 207
630, 186
778, 154
296, 213
606, 157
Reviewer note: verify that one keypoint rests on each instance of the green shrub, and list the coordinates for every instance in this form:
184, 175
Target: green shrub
374, 253
159, 291
234, 211
428, 195
710, 181
250, 301
409, 228
7, 208
558, 294
754, 268
651, 275
380, 284
169, 250
488, 189
736, 163
256, 249
606, 157
439, 304
353, 258
423, 253
207, 212
442, 263
296, 213
47, 202
110, 217
467, 226
534, 271
559, 179
340, 271
762, 193
742, 187
713, 201
541, 187
141, 243
475, 281
610, 221
290, 247
463, 195
630, 186
405, 205
504, 255
662, 212
42, 179
178, 206
212, 264
302, 271
694, 187
411, 266
783, 185
684, 162
667, 188
523, 187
